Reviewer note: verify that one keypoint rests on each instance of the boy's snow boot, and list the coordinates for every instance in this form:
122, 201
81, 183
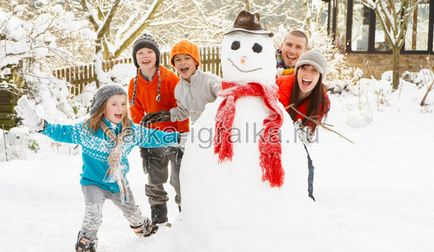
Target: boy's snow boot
84, 244
159, 214
146, 229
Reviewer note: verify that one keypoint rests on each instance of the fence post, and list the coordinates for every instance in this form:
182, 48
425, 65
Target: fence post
80, 76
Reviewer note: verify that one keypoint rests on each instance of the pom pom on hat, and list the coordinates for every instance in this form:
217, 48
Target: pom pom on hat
185, 47
146, 41
314, 58
103, 94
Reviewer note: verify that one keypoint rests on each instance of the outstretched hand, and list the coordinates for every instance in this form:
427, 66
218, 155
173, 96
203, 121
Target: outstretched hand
161, 116
26, 111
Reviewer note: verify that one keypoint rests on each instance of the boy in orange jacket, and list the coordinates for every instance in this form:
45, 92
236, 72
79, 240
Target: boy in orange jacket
195, 89
153, 90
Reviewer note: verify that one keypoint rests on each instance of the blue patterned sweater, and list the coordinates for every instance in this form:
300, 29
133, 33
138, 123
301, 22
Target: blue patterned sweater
96, 147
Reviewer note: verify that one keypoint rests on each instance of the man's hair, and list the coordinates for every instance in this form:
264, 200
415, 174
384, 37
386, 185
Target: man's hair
300, 34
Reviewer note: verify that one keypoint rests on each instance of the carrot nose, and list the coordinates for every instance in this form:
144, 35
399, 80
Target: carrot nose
243, 60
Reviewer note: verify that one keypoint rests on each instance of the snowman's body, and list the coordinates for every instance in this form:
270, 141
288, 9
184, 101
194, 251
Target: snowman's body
230, 197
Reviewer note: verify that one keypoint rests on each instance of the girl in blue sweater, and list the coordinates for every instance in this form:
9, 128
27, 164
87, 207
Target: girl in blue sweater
106, 138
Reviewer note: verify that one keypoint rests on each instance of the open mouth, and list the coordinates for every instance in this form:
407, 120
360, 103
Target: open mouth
118, 116
244, 71
306, 82
291, 57
144, 62
184, 70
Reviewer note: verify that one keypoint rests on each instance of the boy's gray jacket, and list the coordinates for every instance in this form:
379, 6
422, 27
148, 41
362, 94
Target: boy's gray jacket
192, 97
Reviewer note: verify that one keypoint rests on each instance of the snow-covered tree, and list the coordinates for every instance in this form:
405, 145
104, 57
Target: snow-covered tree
393, 17
29, 41
117, 23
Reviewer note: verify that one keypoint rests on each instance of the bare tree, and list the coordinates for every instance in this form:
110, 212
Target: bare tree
100, 14
393, 17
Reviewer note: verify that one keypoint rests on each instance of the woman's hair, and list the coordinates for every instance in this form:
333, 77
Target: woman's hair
94, 122
316, 102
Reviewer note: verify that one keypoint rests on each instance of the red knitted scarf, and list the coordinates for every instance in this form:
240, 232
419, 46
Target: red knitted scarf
270, 148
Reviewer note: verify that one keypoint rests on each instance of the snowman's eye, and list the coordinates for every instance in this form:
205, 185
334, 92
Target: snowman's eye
235, 45
257, 48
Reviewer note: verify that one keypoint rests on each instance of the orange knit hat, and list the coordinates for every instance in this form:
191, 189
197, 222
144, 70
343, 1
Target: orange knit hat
185, 47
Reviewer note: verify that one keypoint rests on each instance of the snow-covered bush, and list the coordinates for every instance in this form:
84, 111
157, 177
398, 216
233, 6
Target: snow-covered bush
369, 95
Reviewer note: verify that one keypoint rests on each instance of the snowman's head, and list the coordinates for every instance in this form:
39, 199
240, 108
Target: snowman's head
248, 53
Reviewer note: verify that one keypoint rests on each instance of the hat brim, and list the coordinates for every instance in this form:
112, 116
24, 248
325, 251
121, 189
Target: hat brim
309, 62
270, 34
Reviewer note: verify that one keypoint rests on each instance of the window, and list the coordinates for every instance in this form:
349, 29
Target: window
360, 27
341, 19
365, 33
331, 15
416, 37
381, 42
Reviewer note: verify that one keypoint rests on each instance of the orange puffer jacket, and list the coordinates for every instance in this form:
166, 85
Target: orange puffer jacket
145, 99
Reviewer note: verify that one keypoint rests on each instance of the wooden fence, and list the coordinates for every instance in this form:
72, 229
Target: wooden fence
80, 76
8, 100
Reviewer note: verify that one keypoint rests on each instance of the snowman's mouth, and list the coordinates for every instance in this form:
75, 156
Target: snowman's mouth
244, 71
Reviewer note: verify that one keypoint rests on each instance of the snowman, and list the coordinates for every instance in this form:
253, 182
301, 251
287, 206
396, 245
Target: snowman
243, 177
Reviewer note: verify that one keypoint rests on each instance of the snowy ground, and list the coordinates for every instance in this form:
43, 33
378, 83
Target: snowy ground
377, 193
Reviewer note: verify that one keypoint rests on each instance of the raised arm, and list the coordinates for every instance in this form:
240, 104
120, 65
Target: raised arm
152, 138
62, 133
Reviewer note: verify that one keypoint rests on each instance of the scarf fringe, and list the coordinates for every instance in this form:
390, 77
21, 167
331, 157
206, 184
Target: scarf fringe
269, 145
115, 172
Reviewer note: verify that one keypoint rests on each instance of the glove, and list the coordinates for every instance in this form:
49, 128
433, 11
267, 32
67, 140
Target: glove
182, 139
162, 116
304, 133
27, 112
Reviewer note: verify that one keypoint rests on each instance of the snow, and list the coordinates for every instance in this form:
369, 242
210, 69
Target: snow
375, 194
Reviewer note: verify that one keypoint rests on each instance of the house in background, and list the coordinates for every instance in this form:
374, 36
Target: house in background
358, 33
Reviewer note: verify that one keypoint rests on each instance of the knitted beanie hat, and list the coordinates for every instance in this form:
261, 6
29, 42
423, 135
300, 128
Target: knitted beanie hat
103, 94
146, 41
185, 47
314, 58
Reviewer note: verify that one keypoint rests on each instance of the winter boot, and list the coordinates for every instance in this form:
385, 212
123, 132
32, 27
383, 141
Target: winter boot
146, 229
159, 214
84, 244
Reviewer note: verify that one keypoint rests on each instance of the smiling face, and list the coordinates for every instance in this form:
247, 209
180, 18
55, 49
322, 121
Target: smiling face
248, 57
307, 78
292, 47
147, 59
116, 108
185, 65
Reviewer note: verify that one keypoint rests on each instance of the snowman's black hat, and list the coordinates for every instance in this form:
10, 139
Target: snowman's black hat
249, 22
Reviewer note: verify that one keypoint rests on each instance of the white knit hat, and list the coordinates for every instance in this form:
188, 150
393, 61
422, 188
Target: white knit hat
103, 94
314, 58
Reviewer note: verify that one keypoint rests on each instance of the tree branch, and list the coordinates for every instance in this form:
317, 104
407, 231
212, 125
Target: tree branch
90, 17
138, 29
106, 24
291, 106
